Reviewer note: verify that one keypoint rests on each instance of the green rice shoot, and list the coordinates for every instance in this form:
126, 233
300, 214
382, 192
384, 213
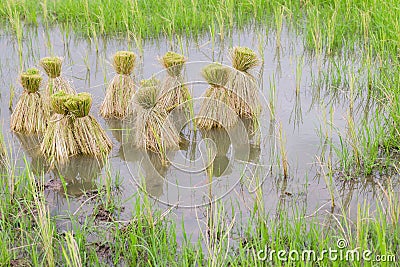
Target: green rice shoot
124, 62
243, 58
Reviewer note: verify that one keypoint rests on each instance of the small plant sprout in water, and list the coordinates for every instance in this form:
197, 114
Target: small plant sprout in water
242, 83
52, 66
215, 110
154, 130
31, 113
72, 130
117, 102
173, 91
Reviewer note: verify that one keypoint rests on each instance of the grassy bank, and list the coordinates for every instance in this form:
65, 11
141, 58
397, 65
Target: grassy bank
327, 25
31, 236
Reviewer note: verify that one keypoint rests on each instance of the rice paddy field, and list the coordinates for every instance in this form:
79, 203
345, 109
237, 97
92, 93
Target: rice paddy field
312, 181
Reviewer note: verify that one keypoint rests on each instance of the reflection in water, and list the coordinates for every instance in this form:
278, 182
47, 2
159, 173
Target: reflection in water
149, 164
246, 140
188, 134
150, 167
297, 114
116, 127
219, 140
373, 186
79, 174
31, 146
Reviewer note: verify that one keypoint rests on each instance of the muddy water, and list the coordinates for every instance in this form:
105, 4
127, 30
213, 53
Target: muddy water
299, 125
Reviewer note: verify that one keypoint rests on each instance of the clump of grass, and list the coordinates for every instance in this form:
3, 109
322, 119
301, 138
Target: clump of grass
117, 102
243, 58
72, 130
242, 83
52, 67
3, 151
154, 130
31, 113
173, 91
215, 110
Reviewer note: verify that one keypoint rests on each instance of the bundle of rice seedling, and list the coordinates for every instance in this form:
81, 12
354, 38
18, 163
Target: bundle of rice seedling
56, 82
215, 111
72, 130
117, 102
242, 83
173, 91
154, 130
31, 113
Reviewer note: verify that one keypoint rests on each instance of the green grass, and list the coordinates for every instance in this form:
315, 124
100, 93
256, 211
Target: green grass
348, 32
329, 25
31, 235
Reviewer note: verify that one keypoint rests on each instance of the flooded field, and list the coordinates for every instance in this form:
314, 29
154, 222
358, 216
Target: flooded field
299, 159
304, 112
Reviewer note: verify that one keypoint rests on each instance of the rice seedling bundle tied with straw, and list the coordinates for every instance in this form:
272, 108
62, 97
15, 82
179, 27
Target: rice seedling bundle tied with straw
216, 109
154, 130
56, 82
242, 83
173, 91
117, 102
31, 113
72, 130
